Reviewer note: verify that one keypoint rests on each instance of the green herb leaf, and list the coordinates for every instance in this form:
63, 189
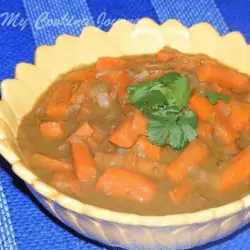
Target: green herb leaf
214, 97
181, 92
158, 132
176, 136
188, 117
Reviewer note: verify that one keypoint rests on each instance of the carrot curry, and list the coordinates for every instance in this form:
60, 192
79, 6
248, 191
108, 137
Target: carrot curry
150, 134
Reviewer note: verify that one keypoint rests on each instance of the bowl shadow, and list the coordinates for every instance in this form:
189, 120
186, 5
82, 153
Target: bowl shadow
21, 186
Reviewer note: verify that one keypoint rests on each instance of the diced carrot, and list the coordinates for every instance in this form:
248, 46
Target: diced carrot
83, 162
236, 172
127, 185
123, 135
179, 194
86, 106
239, 117
139, 123
147, 149
204, 130
131, 159
59, 101
121, 80
109, 63
81, 93
194, 154
214, 73
203, 108
50, 163
83, 132
223, 130
53, 130
165, 55
81, 75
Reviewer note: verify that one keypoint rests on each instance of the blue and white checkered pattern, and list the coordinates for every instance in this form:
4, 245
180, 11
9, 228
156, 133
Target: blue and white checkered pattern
24, 224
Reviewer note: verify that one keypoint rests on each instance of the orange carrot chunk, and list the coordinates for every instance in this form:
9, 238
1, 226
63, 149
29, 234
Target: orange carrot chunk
83, 132
203, 108
123, 135
239, 117
147, 149
109, 63
214, 73
165, 55
50, 163
204, 130
59, 101
127, 185
179, 194
53, 130
194, 154
236, 172
139, 123
83, 162
80, 75
121, 80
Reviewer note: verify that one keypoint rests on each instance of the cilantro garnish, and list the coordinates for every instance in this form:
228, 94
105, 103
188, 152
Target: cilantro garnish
214, 97
163, 101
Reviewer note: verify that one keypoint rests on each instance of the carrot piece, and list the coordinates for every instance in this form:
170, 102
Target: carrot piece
53, 130
179, 194
79, 95
149, 150
124, 184
50, 163
83, 162
194, 154
128, 109
165, 55
214, 73
109, 63
204, 130
239, 117
203, 108
121, 80
59, 101
139, 123
123, 135
80, 75
223, 130
236, 172
86, 106
83, 132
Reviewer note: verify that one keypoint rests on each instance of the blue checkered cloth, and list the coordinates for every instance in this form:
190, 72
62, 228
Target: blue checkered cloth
24, 224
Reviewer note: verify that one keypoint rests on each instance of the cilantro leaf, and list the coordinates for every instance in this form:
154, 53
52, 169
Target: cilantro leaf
169, 78
188, 117
189, 132
214, 97
150, 99
176, 136
158, 132
170, 114
181, 92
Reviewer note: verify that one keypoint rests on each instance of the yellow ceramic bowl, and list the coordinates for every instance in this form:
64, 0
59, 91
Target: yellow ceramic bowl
112, 228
